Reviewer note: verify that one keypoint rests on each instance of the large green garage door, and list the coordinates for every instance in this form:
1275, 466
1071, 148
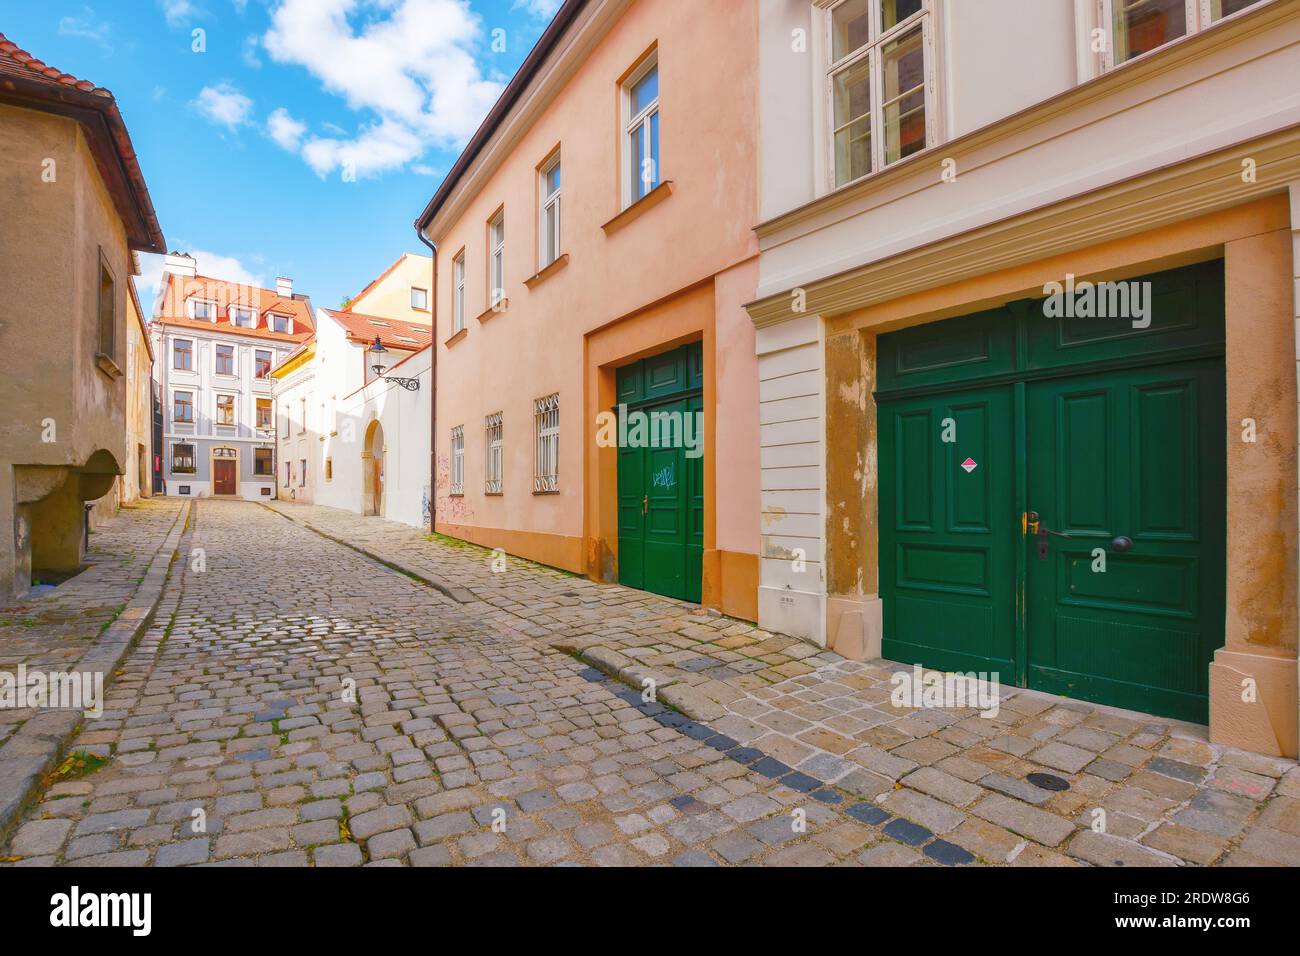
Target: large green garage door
1052, 496
660, 477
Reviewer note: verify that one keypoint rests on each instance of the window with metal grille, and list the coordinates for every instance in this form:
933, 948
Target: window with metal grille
458, 460
546, 420
492, 458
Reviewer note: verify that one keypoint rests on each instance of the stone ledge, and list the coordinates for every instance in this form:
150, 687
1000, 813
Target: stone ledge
39, 744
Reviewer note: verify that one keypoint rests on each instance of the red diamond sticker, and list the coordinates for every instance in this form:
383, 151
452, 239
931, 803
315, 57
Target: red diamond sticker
969, 465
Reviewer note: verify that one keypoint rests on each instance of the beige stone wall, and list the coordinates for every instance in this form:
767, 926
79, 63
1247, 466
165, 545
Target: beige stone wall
58, 218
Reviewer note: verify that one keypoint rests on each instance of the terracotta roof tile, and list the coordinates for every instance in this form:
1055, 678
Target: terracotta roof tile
178, 291
394, 333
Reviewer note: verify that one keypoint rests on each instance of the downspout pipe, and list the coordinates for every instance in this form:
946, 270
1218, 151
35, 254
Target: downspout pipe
433, 382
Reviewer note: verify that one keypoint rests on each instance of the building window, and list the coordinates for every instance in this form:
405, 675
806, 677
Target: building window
262, 361
225, 360
225, 409
107, 310
281, 323
263, 462
302, 415
288, 474
641, 131
329, 469
458, 292
497, 259
183, 355
302, 472
880, 83
201, 309
264, 413
492, 458
183, 407
550, 214
458, 460
242, 317
419, 299
546, 419
1140, 26
182, 459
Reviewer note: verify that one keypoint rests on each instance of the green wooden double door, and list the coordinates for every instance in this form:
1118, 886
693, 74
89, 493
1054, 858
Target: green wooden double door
1052, 497
661, 473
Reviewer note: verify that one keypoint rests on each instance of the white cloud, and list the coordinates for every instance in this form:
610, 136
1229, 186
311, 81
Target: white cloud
87, 27
423, 169
250, 52
408, 63
285, 130
208, 264
180, 12
539, 8
224, 105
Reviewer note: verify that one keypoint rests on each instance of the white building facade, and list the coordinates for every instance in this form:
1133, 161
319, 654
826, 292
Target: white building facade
216, 343
931, 169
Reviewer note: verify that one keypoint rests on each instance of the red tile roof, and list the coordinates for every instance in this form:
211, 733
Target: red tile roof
394, 333
177, 292
30, 83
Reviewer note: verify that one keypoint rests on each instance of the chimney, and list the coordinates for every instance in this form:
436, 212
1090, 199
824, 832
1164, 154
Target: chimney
181, 264
284, 287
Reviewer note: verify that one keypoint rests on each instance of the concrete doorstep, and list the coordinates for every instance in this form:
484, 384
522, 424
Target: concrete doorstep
39, 744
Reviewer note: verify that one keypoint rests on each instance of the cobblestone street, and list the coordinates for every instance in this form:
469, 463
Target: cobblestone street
493, 723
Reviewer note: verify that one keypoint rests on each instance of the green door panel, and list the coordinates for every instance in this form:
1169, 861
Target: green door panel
1138, 454
661, 489
1106, 431
947, 544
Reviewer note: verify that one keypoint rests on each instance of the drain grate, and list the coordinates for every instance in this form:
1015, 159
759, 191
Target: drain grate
1048, 781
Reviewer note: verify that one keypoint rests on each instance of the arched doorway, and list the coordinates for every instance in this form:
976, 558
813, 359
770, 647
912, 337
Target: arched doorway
372, 471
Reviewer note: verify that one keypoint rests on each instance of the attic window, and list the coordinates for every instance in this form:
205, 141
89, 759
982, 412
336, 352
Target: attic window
422, 332
242, 317
406, 338
203, 310
281, 323
384, 325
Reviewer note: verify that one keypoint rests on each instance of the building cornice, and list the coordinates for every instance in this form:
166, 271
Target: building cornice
1200, 185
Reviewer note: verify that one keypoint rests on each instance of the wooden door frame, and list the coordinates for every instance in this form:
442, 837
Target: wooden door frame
212, 465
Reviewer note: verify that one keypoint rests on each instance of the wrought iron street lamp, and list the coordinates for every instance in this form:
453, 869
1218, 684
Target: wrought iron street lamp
379, 362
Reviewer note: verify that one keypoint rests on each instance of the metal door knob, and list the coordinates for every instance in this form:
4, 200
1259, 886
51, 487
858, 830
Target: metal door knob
1121, 544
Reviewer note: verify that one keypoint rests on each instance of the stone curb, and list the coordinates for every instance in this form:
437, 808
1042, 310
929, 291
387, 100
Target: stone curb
458, 594
39, 744
682, 697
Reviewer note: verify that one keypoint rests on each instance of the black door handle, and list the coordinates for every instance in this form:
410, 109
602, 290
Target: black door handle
1121, 544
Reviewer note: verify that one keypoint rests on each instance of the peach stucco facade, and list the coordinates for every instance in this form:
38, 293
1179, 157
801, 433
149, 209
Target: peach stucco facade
632, 280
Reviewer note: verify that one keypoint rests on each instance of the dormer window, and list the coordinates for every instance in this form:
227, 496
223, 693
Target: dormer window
242, 317
281, 323
203, 310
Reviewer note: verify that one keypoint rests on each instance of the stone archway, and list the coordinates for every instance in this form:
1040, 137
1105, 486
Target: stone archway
372, 470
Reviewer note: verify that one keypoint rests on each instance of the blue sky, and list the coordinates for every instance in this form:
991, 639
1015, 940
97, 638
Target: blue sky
301, 137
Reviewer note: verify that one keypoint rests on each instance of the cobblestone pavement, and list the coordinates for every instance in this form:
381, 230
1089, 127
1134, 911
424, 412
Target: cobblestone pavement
51, 629
474, 711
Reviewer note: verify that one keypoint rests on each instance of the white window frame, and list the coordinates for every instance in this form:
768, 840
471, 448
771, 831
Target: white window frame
458, 292
497, 258
871, 52
632, 123
458, 461
424, 299
494, 454
273, 317
240, 313
546, 457
1199, 16
549, 236
209, 304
